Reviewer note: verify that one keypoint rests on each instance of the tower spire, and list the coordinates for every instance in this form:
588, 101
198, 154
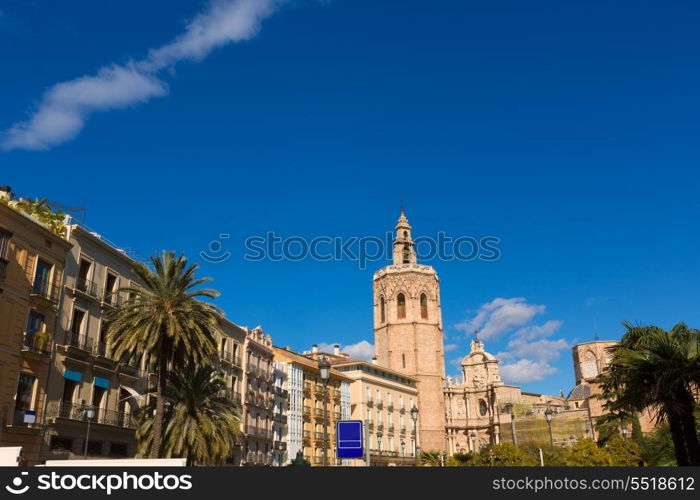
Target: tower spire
404, 251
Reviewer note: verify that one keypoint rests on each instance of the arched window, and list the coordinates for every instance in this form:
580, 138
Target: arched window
423, 306
405, 234
406, 255
401, 305
382, 309
483, 408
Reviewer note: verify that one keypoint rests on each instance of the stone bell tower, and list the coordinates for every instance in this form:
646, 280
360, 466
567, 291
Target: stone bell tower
408, 331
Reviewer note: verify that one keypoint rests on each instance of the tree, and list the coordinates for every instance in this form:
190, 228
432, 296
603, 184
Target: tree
167, 322
624, 452
431, 458
586, 453
201, 424
656, 369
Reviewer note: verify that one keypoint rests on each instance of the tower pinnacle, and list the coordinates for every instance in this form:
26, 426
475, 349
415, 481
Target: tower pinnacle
404, 251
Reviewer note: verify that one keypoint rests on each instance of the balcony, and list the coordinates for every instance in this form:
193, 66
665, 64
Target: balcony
336, 415
307, 387
280, 445
37, 342
279, 418
402, 430
307, 410
380, 405
26, 418
318, 436
112, 299
390, 407
76, 412
369, 401
77, 341
86, 287
45, 289
402, 409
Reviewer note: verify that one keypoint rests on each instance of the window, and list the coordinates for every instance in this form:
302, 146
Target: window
382, 309
94, 448
403, 360
5, 237
423, 306
76, 326
110, 295
83, 282
118, 450
406, 255
25, 392
35, 325
401, 305
483, 408
42, 278
98, 394
69, 391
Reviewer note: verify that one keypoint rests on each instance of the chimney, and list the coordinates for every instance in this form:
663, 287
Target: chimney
314, 349
6, 192
374, 360
336, 350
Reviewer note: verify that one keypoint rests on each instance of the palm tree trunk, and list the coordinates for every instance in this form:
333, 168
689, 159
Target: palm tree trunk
690, 433
160, 407
678, 437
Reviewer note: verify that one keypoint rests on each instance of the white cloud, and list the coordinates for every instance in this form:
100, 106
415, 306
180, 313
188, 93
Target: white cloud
525, 370
361, 350
64, 108
501, 315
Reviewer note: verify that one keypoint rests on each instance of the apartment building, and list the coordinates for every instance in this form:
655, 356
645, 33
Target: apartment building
383, 399
88, 387
309, 410
31, 271
279, 414
259, 398
229, 363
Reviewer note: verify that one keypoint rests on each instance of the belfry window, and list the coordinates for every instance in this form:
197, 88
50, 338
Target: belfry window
406, 255
423, 306
382, 309
401, 306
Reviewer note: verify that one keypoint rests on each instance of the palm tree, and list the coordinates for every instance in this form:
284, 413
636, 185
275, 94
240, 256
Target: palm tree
656, 369
201, 424
166, 322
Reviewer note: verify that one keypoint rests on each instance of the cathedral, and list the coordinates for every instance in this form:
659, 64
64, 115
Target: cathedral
408, 333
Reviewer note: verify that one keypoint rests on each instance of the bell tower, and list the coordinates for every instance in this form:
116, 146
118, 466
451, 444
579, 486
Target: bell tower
408, 331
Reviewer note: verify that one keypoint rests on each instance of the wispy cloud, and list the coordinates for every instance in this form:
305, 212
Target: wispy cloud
64, 108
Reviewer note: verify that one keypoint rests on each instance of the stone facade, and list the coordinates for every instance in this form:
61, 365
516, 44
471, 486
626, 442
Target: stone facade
31, 272
408, 331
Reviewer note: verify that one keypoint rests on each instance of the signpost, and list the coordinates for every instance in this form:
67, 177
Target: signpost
349, 439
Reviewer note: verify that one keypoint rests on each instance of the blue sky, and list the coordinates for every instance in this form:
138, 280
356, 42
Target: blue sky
568, 130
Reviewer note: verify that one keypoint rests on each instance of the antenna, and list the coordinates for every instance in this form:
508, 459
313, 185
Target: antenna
72, 211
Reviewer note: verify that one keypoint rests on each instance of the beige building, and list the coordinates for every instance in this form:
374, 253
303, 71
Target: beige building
259, 398
31, 272
308, 409
480, 407
229, 364
408, 331
383, 399
86, 379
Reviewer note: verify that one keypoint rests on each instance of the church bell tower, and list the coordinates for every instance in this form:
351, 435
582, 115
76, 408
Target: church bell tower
408, 331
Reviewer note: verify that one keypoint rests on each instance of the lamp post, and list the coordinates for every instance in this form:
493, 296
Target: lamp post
548, 417
472, 437
624, 432
324, 367
403, 449
414, 417
89, 414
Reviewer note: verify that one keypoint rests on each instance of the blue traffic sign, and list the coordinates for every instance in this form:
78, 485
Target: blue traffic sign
349, 438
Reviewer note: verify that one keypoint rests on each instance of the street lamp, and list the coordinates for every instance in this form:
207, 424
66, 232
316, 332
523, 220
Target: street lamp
548, 417
472, 436
624, 432
324, 367
414, 417
403, 449
89, 414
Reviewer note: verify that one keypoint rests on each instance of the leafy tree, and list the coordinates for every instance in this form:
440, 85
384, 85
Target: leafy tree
656, 369
167, 322
624, 452
201, 424
430, 458
587, 453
